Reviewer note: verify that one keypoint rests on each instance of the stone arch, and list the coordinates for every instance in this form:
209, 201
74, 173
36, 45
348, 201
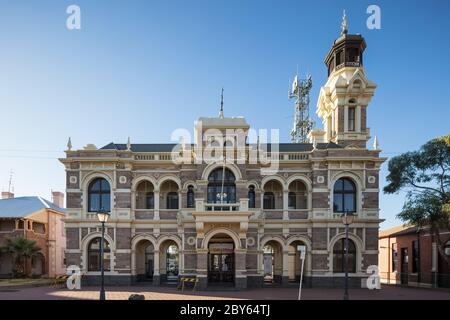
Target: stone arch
359, 249
278, 239
135, 182
302, 178
174, 238
96, 174
347, 174
84, 247
301, 238
273, 177
233, 235
254, 183
140, 237
171, 177
190, 183
231, 166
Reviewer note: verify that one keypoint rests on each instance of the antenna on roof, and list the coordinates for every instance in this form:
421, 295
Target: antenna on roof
302, 122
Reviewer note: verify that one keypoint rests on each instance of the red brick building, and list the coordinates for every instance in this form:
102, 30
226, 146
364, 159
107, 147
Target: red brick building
36, 219
410, 256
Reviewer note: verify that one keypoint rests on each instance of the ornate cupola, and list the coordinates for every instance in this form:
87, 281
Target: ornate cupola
347, 50
344, 98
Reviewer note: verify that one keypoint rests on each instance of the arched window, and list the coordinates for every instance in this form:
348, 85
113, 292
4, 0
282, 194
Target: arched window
94, 255
172, 200
269, 200
145, 198
99, 195
344, 196
190, 197
339, 256
221, 178
251, 197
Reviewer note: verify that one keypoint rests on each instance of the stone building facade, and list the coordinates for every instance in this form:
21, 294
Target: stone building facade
182, 211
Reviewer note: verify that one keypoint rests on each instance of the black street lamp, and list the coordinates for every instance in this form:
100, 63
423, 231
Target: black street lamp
347, 219
102, 216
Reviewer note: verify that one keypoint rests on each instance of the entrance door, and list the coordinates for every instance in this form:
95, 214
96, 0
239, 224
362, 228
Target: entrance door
172, 263
221, 263
404, 266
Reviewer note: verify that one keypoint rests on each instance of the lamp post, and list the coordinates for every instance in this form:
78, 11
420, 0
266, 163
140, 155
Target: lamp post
102, 216
347, 219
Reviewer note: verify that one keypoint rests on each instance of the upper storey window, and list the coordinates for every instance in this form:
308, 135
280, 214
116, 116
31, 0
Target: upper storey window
190, 197
221, 186
251, 197
99, 195
351, 119
344, 196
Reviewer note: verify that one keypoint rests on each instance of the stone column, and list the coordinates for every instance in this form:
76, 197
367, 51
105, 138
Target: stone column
285, 204
240, 272
285, 276
202, 268
156, 200
156, 275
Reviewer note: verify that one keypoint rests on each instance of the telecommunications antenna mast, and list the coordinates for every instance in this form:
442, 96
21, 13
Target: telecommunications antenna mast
302, 123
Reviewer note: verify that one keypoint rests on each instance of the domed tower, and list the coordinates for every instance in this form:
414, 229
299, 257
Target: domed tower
344, 98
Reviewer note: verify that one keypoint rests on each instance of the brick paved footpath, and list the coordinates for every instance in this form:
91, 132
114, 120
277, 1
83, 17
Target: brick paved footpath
166, 293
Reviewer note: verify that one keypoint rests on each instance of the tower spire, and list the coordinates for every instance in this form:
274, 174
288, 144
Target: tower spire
221, 106
344, 24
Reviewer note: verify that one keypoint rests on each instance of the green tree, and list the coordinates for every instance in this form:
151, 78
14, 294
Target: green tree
21, 250
425, 176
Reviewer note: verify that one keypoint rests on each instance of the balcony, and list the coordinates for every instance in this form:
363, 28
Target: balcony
219, 213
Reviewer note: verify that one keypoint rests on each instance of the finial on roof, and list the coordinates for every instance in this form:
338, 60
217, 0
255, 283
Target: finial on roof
376, 144
129, 144
69, 145
221, 106
344, 24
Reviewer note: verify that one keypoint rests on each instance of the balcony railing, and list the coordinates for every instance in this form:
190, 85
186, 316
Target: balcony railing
242, 205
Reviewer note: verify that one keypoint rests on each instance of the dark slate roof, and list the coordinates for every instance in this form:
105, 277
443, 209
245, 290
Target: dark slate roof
302, 147
23, 206
168, 147
141, 147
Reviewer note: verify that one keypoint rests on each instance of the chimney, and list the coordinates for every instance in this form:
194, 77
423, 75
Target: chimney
7, 195
58, 198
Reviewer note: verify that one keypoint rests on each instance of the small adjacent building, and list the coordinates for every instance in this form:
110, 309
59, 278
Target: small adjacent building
36, 219
409, 256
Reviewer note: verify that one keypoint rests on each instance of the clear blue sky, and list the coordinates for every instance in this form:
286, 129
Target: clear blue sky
144, 68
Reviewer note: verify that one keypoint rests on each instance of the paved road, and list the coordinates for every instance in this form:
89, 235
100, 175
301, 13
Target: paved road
164, 293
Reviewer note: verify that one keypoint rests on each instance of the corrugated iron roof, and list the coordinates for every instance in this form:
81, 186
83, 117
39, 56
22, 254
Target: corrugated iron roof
24, 206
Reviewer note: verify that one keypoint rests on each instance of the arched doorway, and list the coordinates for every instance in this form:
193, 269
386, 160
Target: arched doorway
221, 260
169, 261
294, 262
145, 260
272, 262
